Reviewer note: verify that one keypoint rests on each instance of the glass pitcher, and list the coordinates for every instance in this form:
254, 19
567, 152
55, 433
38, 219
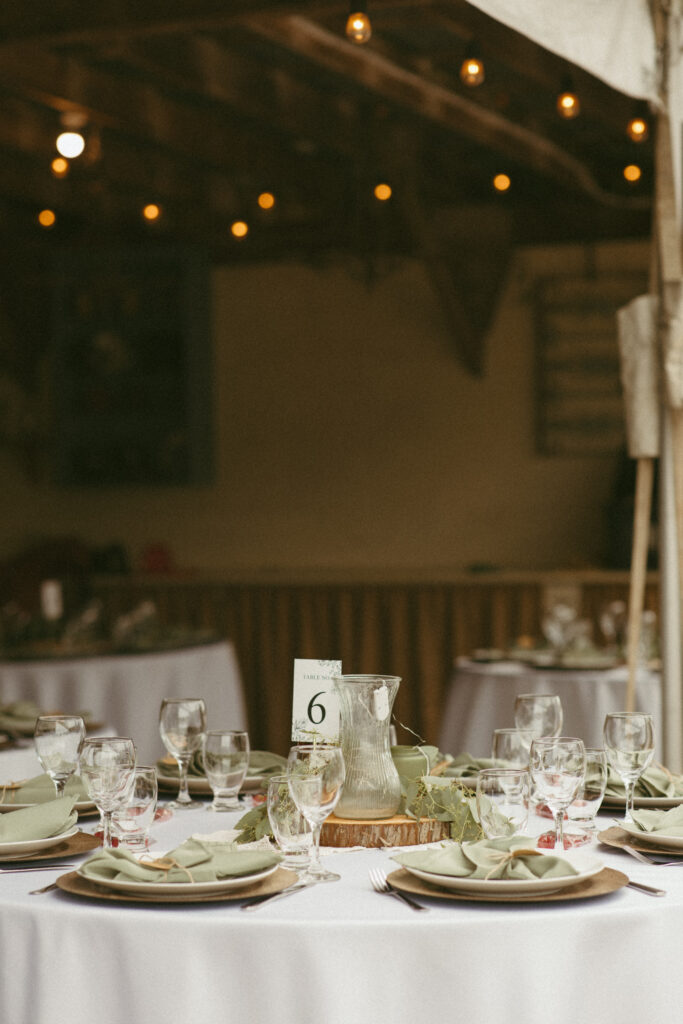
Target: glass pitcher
372, 788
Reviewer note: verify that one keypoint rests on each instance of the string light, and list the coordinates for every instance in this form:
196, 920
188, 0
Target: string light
47, 218
632, 173
382, 191
637, 129
70, 144
60, 167
151, 212
239, 228
501, 182
472, 68
358, 27
266, 200
568, 105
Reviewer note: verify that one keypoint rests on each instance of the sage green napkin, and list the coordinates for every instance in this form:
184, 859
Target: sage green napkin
669, 822
192, 861
656, 781
261, 762
41, 789
514, 858
465, 765
18, 717
39, 822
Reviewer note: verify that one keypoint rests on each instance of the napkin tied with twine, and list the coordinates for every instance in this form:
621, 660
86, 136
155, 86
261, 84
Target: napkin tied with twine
514, 858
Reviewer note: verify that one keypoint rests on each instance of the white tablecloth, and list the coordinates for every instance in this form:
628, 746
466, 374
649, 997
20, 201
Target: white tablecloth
482, 696
126, 690
341, 954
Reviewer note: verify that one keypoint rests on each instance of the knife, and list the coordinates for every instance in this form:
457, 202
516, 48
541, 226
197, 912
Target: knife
260, 900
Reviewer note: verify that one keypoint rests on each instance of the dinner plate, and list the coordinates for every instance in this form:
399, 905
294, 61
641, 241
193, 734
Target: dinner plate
586, 865
642, 801
606, 881
667, 842
81, 806
75, 885
29, 845
179, 888
199, 786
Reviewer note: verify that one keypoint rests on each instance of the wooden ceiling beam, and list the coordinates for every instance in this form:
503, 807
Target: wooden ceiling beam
432, 101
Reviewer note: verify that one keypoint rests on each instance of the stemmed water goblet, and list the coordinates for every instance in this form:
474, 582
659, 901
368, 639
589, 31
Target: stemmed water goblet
107, 765
511, 746
315, 773
58, 740
557, 765
539, 714
226, 760
182, 724
630, 745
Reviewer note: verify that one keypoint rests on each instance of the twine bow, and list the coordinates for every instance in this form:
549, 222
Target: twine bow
9, 787
503, 857
167, 864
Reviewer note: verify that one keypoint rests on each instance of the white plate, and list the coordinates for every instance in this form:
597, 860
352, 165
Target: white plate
586, 864
199, 786
643, 801
80, 805
31, 845
179, 888
658, 838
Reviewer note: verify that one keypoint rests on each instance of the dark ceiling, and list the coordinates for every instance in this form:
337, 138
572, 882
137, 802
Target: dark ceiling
200, 106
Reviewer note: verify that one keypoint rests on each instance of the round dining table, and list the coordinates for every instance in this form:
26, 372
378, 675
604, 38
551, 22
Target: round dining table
340, 953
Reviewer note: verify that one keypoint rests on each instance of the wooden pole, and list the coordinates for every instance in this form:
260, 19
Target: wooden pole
641, 529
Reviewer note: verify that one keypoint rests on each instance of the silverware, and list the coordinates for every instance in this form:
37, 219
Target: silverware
261, 900
57, 866
46, 888
380, 883
649, 889
644, 859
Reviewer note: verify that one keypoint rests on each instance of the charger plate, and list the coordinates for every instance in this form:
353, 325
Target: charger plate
81, 842
604, 882
661, 802
199, 786
618, 838
280, 879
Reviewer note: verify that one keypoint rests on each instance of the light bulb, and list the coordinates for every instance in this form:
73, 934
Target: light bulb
239, 228
358, 27
632, 172
382, 192
568, 105
266, 200
47, 218
472, 71
70, 144
637, 129
151, 212
501, 182
60, 167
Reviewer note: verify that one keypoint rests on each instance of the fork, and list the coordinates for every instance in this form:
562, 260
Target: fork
46, 888
380, 883
644, 859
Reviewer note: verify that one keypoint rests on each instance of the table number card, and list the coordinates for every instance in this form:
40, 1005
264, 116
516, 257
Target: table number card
315, 705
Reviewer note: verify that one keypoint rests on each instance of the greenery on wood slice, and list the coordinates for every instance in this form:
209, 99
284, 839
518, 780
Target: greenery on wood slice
254, 825
446, 800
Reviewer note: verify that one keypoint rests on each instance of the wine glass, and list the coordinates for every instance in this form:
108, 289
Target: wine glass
226, 759
132, 822
538, 713
58, 740
503, 801
512, 747
107, 765
315, 773
630, 746
557, 765
182, 724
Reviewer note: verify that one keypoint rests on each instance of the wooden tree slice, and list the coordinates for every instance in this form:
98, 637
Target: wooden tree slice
397, 831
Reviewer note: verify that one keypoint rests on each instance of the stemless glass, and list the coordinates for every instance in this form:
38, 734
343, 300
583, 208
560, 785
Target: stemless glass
538, 713
629, 739
315, 773
226, 759
58, 740
503, 801
107, 765
182, 724
291, 831
586, 805
132, 822
557, 765
511, 746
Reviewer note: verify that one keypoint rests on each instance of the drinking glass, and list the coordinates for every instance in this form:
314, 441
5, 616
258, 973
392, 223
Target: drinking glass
182, 724
315, 773
511, 746
291, 831
58, 740
107, 765
630, 745
586, 805
503, 801
538, 713
557, 765
132, 822
226, 759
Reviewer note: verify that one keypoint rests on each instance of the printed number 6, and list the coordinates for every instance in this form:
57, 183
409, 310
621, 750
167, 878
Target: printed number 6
312, 706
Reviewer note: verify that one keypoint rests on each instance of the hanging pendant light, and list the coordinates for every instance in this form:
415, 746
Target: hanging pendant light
472, 68
358, 27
